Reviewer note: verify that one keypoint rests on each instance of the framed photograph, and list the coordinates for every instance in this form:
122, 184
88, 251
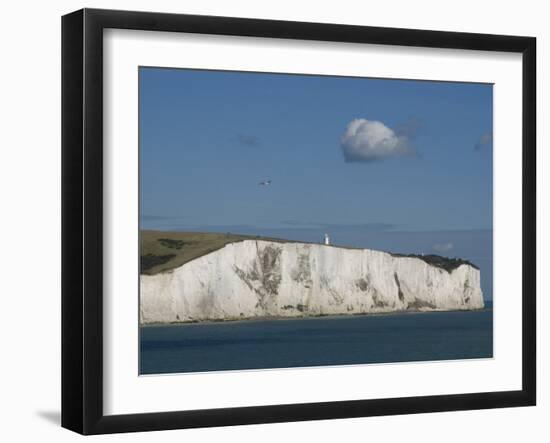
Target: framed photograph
268, 221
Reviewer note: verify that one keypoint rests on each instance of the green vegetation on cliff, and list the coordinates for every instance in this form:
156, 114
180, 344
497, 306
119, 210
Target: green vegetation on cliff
161, 251
449, 264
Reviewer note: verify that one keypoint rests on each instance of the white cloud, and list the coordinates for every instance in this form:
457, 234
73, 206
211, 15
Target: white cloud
443, 247
371, 140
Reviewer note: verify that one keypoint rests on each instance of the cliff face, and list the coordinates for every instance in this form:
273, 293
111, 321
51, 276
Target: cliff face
253, 278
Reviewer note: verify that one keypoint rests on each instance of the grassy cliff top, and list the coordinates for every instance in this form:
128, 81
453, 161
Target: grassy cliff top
449, 264
161, 251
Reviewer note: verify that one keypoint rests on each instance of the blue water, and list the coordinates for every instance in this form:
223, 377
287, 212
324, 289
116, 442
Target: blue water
320, 341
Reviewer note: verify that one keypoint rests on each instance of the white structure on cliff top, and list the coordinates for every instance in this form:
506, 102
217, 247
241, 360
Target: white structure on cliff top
327, 239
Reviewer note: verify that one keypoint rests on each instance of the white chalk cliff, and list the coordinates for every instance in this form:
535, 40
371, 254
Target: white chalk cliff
256, 278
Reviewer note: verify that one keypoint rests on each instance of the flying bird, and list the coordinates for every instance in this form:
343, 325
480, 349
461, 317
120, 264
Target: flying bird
265, 183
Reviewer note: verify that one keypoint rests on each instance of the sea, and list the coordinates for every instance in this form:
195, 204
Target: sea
317, 341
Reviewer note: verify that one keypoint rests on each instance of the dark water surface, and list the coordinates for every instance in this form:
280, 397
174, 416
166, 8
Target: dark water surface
316, 341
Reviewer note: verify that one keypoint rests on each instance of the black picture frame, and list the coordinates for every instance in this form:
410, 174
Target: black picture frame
82, 215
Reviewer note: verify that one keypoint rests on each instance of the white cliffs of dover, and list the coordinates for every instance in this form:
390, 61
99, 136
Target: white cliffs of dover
261, 279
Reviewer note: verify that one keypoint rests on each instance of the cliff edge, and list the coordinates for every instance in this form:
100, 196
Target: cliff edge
261, 278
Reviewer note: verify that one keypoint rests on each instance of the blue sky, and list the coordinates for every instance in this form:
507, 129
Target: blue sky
390, 164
